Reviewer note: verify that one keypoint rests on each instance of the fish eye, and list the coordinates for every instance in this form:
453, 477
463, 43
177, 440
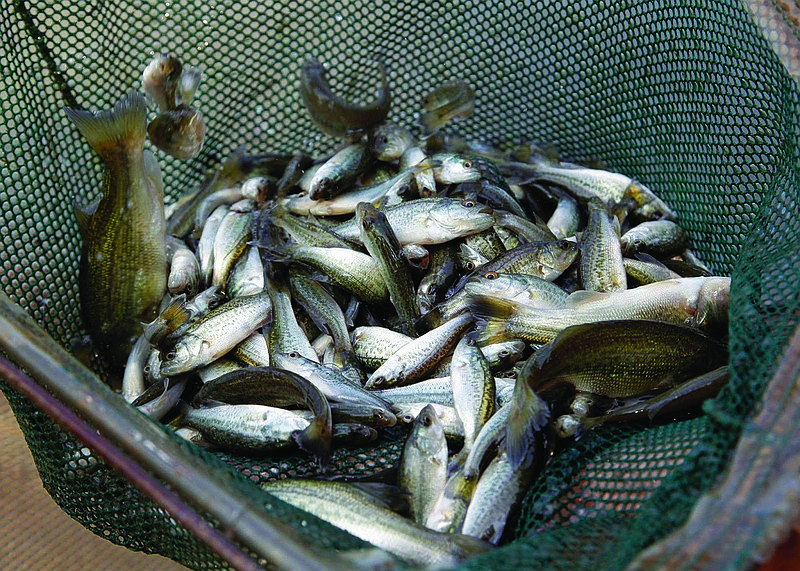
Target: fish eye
407, 418
213, 303
427, 420
146, 369
467, 164
469, 266
383, 139
491, 275
504, 353
171, 355
294, 354
468, 203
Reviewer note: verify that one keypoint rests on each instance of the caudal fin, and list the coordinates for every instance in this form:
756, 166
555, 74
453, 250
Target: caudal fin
528, 414
491, 316
122, 127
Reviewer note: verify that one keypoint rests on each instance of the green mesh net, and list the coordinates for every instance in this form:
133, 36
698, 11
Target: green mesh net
685, 96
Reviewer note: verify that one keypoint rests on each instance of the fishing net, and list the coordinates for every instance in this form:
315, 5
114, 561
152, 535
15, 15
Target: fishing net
687, 97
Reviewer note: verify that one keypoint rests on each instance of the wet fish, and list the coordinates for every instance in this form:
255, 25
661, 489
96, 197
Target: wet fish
179, 132
699, 302
123, 268
429, 221
601, 267
423, 465
332, 114
414, 360
216, 333
276, 387
342, 505
161, 80
389, 141
339, 172
660, 238
449, 101
382, 244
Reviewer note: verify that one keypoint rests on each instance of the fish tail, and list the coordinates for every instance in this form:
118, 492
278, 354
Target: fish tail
124, 126
528, 414
316, 440
491, 317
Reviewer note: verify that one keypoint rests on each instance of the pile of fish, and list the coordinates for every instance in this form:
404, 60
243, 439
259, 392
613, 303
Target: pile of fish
497, 302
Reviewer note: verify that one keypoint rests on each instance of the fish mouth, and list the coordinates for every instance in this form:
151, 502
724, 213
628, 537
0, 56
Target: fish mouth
485, 209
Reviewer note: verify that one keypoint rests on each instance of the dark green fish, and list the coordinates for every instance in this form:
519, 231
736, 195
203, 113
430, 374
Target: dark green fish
275, 387
123, 271
678, 399
332, 114
451, 100
621, 359
382, 244
179, 132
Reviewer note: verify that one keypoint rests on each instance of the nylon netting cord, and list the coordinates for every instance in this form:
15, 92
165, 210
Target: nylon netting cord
687, 97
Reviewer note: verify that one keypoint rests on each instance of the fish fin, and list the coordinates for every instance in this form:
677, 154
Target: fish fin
582, 296
385, 495
190, 79
548, 151
491, 315
107, 131
84, 215
316, 439
528, 414
153, 173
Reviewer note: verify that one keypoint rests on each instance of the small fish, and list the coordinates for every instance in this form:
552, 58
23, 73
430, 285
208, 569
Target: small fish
473, 389
429, 220
441, 275
682, 397
339, 172
357, 273
601, 266
216, 333
699, 302
231, 239
565, 220
246, 427
587, 183
205, 246
161, 80
335, 386
449, 101
376, 194
644, 269
389, 141
373, 345
247, 275
660, 238
595, 358
333, 115
499, 489
284, 334
179, 132
133, 384
382, 244
123, 268
423, 464
342, 505
414, 360
276, 387
252, 351
184, 269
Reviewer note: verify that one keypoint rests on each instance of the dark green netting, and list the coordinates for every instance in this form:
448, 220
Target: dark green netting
686, 96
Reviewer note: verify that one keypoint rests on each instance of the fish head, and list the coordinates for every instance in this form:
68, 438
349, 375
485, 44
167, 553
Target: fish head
567, 425
713, 303
648, 205
456, 168
560, 254
464, 216
181, 357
